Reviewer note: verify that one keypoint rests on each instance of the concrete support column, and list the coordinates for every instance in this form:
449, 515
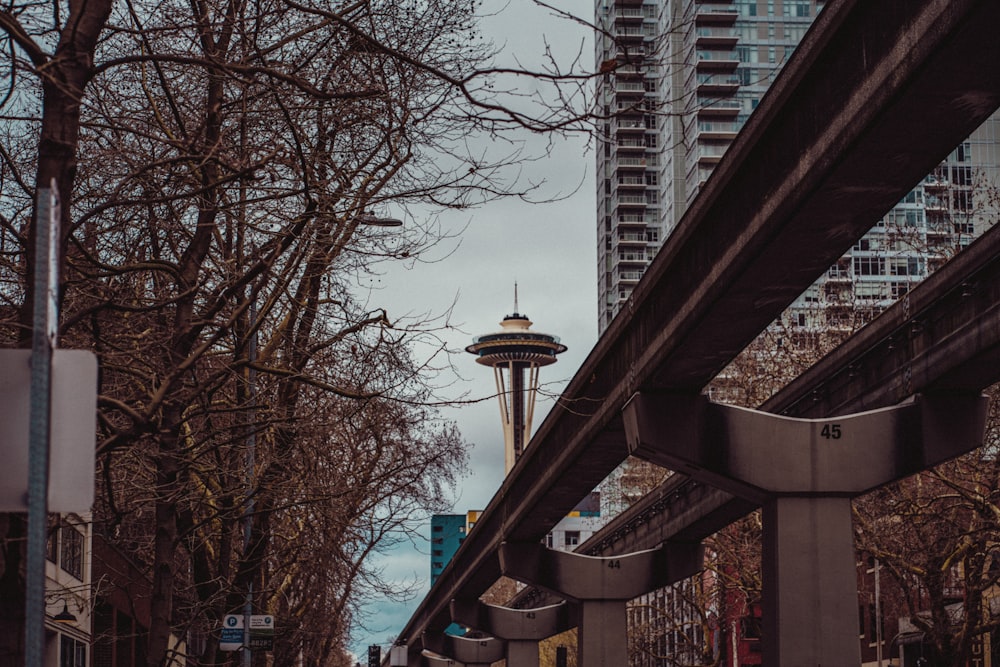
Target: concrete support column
472, 652
804, 472
602, 638
522, 629
809, 583
427, 660
602, 586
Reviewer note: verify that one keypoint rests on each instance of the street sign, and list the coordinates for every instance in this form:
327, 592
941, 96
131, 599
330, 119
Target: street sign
72, 430
231, 638
262, 632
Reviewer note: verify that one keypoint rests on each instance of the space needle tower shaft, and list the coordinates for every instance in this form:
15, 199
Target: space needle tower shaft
516, 353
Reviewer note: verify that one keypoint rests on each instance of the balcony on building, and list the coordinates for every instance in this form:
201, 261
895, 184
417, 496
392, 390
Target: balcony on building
718, 84
709, 14
633, 222
719, 130
628, 33
631, 121
627, 170
717, 60
631, 70
710, 151
936, 205
839, 316
629, 15
629, 87
631, 145
629, 277
633, 261
723, 109
629, 201
631, 183
626, 238
939, 230
631, 163
715, 37
935, 183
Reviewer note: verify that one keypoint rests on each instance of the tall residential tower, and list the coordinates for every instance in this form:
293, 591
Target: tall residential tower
681, 77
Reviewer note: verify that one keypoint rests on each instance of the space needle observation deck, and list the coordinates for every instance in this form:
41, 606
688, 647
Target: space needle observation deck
516, 353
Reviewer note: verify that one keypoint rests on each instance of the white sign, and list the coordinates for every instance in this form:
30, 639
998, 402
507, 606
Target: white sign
260, 624
232, 633
262, 633
72, 430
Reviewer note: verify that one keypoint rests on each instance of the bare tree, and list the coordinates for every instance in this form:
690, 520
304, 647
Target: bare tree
218, 162
934, 536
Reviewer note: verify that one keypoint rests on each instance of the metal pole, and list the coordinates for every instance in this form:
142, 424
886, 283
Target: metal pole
250, 463
878, 617
44, 327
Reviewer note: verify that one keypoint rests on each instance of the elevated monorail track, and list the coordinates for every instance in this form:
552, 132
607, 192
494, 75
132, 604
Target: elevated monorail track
873, 98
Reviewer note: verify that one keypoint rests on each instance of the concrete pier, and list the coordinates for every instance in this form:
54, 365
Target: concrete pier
470, 652
601, 586
804, 473
522, 629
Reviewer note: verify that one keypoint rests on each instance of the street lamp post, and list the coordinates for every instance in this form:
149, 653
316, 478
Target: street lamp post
369, 219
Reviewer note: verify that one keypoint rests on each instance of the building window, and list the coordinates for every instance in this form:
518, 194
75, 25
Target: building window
438, 529
962, 200
71, 551
72, 653
868, 266
750, 626
572, 538
437, 552
906, 266
549, 541
52, 542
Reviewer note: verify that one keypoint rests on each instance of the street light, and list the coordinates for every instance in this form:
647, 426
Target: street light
371, 220
65, 616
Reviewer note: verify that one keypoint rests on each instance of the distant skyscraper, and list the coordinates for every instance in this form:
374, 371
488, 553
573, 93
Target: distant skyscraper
448, 531
516, 353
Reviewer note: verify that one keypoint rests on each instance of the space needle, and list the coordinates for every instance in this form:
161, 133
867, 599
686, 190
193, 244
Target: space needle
516, 353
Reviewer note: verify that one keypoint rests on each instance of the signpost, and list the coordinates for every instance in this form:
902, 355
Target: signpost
259, 638
232, 633
261, 633
45, 324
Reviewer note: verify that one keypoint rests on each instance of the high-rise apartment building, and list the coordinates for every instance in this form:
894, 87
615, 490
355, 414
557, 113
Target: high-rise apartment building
681, 78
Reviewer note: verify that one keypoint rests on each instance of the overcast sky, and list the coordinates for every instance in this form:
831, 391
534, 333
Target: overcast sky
547, 248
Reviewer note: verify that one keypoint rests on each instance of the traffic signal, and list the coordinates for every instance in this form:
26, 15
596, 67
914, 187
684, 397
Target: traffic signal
374, 655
